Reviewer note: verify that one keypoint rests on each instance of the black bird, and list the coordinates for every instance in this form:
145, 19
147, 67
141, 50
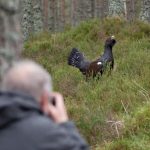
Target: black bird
93, 68
107, 56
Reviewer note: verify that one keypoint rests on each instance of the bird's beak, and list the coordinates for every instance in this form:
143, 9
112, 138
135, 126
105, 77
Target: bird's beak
113, 37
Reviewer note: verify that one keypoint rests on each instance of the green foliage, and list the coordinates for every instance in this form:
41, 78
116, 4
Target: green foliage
136, 134
113, 113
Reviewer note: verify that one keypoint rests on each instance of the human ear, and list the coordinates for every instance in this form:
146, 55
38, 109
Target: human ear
44, 102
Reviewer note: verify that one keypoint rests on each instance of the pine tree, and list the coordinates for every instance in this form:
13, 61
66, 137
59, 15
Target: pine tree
74, 12
37, 16
63, 14
52, 15
145, 10
10, 37
45, 14
116, 8
27, 18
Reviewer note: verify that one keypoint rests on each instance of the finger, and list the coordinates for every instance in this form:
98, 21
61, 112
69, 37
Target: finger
51, 111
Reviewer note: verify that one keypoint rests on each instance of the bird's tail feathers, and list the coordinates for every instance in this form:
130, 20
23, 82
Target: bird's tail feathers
75, 58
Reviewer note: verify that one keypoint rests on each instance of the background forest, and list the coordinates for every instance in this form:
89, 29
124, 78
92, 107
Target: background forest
56, 15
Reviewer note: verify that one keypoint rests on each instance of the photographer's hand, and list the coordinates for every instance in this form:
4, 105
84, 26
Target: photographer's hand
58, 111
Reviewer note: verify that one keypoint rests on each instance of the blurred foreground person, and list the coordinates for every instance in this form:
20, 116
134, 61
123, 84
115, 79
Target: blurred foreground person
32, 117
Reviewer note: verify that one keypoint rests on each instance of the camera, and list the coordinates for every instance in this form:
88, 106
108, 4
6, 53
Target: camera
53, 101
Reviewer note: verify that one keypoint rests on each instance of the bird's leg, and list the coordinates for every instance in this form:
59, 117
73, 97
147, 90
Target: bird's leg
87, 76
93, 74
101, 72
112, 65
98, 77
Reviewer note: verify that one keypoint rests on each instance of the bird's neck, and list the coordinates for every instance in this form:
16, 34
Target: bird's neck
107, 49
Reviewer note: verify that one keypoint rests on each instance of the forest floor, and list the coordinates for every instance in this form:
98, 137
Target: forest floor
112, 113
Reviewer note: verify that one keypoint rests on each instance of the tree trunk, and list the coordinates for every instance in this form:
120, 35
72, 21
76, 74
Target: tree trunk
45, 11
58, 23
52, 15
98, 6
37, 16
92, 8
125, 8
84, 9
145, 10
104, 8
63, 14
101, 8
80, 10
27, 18
74, 12
130, 10
10, 38
116, 8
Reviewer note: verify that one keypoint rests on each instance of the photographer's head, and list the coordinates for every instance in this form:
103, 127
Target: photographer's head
29, 78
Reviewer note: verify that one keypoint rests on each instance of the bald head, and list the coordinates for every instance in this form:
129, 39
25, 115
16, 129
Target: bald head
27, 77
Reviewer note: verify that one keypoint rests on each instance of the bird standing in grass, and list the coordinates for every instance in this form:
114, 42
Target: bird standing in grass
93, 68
107, 56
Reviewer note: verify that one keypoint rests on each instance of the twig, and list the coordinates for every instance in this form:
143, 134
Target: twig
125, 108
116, 124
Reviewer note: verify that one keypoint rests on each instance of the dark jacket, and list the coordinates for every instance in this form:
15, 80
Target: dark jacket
23, 126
